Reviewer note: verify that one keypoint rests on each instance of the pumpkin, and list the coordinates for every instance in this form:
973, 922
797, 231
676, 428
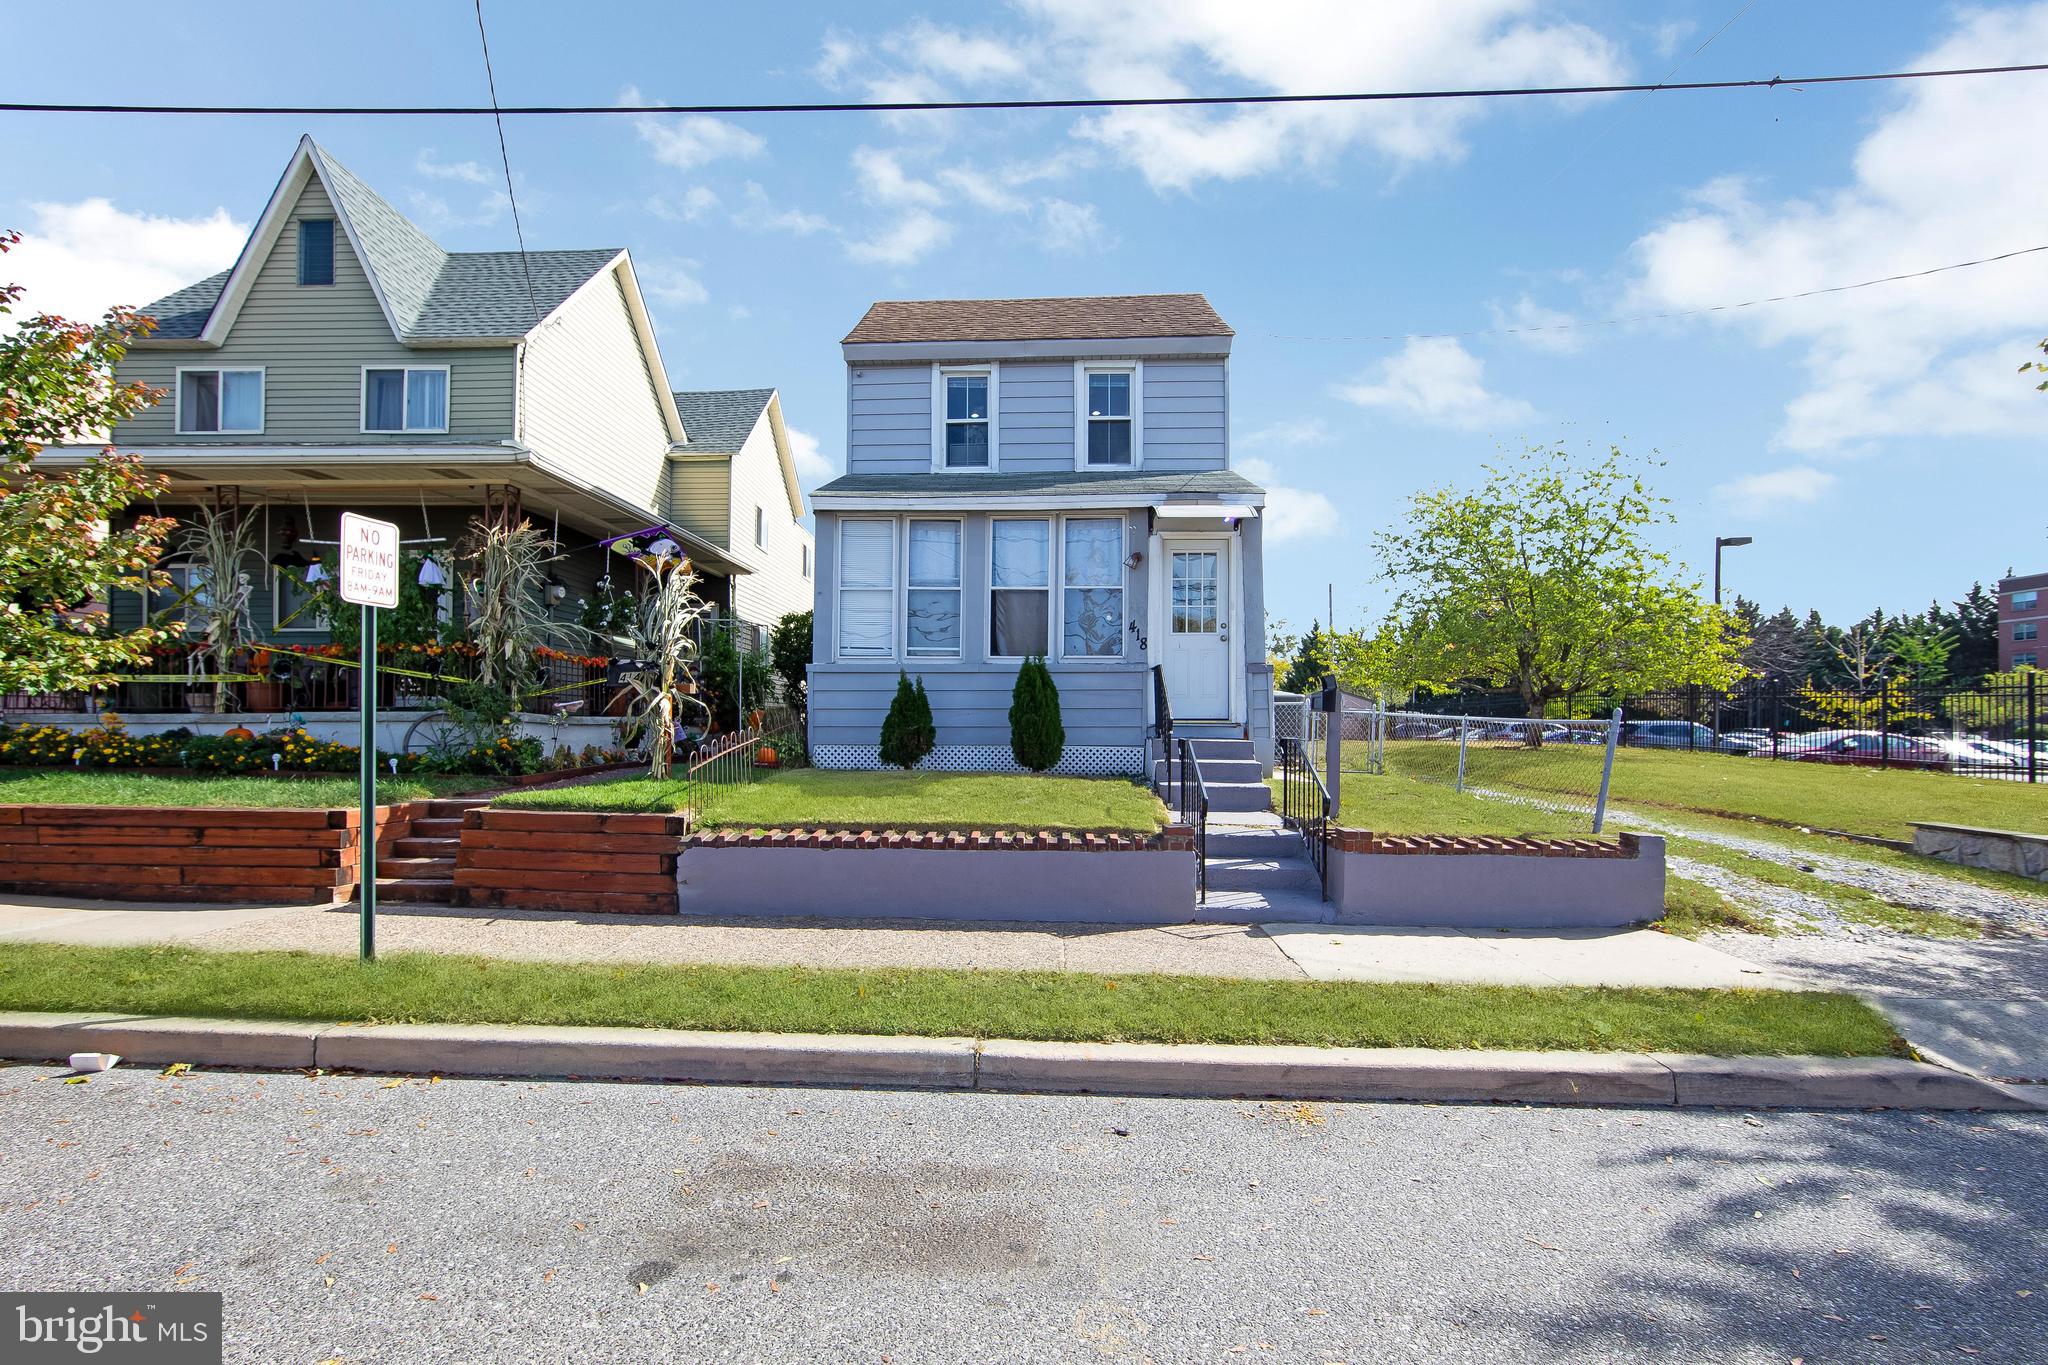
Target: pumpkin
239, 732
766, 757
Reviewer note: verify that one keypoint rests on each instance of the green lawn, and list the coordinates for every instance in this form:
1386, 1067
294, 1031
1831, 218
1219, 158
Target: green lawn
1392, 804
87, 787
1819, 795
879, 800
431, 988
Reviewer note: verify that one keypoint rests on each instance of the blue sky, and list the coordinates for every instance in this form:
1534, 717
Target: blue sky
1878, 444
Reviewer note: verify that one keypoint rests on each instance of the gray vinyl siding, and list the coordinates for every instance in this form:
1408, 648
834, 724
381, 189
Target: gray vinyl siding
312, 343
1184, 405
591, 405
700, 496
971, 703
889, 419
777, 585
1035, 412
1186, 415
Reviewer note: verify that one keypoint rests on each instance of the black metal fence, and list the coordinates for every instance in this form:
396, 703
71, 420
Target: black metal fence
1996, 729
1305, 805
726, 762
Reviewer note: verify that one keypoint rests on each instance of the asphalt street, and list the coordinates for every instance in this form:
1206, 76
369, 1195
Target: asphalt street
357, 1219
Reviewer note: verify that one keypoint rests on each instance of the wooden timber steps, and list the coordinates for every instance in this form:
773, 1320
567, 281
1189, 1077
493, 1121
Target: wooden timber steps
416, 862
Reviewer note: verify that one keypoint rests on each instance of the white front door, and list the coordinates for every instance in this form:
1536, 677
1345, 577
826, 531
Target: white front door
1197, 653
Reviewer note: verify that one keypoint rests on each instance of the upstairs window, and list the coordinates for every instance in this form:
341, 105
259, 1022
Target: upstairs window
760, 528
405, 399
806, 559
220, 401
2025, 601
2026, 630
316, 251
1109, 417
966, 434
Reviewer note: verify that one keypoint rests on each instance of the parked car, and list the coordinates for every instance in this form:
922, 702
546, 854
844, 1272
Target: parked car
1868, 748
1678, 734
1972, 754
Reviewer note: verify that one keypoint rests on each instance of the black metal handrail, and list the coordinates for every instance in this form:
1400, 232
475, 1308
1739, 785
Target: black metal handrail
1162, 722
1305, 805
1194, 810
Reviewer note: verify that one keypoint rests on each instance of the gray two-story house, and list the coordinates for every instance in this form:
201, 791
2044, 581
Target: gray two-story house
1042, 477
346, 361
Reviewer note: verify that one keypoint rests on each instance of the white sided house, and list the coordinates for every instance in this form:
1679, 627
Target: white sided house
1039, 477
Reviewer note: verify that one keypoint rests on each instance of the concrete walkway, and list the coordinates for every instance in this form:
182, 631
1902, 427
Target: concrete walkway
1517, 957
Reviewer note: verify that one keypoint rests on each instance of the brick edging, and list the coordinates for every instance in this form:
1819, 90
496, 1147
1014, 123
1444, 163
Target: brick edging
1367, 841
1174, 838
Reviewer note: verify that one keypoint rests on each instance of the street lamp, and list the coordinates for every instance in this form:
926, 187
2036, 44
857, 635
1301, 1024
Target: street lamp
1721, 543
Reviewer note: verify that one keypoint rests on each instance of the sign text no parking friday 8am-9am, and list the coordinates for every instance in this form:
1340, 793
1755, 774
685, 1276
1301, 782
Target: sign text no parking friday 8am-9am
369, 561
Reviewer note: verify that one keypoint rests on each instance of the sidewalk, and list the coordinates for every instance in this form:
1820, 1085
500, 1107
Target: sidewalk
1285, 951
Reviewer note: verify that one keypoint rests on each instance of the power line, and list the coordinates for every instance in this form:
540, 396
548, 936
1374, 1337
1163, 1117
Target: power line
918, 106
505, 157
1674, 313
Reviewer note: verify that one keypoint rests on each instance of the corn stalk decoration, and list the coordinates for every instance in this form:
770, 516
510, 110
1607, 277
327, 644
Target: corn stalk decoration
507, 608
663, 632
218, 601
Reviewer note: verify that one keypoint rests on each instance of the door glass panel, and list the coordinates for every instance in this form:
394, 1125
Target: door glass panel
1194, 595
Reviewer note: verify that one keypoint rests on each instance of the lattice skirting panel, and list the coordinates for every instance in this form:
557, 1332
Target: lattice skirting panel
1097, 760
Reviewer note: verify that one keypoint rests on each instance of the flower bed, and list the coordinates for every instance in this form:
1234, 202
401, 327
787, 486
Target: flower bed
111, 745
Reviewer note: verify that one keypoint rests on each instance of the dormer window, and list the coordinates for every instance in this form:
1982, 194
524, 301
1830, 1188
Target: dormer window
967, 419
411, 399
316, 251
1112, 430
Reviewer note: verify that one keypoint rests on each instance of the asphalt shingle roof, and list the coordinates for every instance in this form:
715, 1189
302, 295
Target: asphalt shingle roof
1070, 319
1214, 484
434, 295
720, 419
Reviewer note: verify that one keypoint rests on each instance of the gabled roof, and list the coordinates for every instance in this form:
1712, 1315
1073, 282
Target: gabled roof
1056, 319
720, 420
429, 296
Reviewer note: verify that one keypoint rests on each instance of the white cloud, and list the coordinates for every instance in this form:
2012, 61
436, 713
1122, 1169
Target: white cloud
1436, 382
1530, 323
1776, 491
904, 242
1305, 431
1170, 46
1069, 227
1665, 38
688, 207
1938, 179
812, 466
760, 213
978, 188
882, 179
671, 281
437, 215
469, 172
1291, 513
78, 260
738, 312
949, 52
687, 141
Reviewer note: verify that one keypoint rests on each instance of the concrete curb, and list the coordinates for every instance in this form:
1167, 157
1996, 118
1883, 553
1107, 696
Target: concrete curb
1160, 1069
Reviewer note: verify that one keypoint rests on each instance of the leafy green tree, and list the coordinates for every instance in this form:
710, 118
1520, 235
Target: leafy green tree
789, 650
63, 547
908, 733
1973, 626
1545, 579
1037, 735
722, 676
1309, 658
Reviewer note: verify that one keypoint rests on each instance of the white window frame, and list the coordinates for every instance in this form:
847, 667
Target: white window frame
2032, 600
1122, 585
903, 596
1136, 370
1052, 587
992, 371
309, 621
839, 589
262, 402
405, 402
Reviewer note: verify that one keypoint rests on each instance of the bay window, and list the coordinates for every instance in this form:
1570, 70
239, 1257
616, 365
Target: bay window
867, 589
220, 400
933, 595
1020, 588
409, 399
1092, 572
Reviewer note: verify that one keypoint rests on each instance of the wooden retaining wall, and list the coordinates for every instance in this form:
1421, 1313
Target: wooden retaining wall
222, 854
569, 860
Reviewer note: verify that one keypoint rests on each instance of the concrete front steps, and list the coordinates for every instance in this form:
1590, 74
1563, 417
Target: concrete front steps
1230, 769
420, 868
1259, 872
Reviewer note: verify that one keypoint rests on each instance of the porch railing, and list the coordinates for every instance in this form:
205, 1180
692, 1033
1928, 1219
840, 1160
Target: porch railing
1305, 805
1193, 795
1162, 723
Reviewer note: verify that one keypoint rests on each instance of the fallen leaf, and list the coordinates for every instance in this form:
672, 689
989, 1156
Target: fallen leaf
390, 1247
189, 1264
784, 1260
392, 1084
431, 1298
775, 1286
77, 1080
643, 1287
177, 1068
710, 1286
547, 1277
1534, 1243
330, 1282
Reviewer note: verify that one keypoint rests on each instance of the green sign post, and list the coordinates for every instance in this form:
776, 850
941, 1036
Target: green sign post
369, 579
